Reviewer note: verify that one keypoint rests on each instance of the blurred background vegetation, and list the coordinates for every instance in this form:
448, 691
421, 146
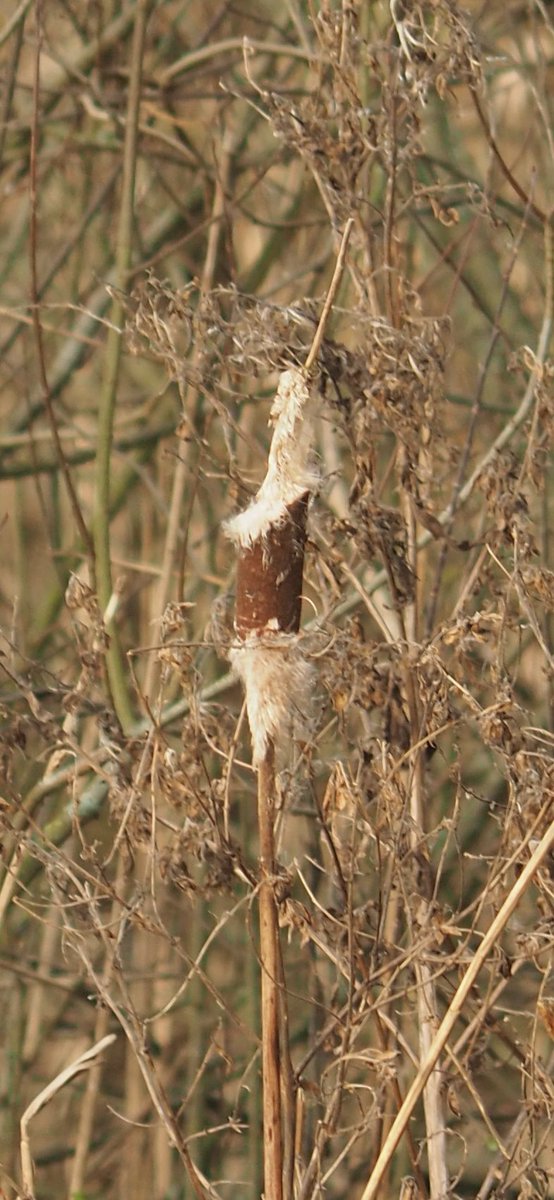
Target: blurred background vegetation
174, 181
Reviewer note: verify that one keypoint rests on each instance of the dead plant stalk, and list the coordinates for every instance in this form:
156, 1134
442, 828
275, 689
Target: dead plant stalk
270, 536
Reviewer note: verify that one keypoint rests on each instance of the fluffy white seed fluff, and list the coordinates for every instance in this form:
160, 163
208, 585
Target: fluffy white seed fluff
290, 470
279, 685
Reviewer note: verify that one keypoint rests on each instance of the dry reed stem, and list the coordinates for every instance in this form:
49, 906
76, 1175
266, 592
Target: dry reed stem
330, 297
271, 997
426, 995
433, 1094
82, 1063
371, 1190
85, 1127
126, 1015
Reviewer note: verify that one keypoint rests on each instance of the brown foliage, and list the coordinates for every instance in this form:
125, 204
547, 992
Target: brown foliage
175, 184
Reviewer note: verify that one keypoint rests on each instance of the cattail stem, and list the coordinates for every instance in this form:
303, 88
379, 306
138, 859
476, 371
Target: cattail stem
271, 973
270, 536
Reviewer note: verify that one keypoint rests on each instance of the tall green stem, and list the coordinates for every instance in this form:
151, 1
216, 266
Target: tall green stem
117, 673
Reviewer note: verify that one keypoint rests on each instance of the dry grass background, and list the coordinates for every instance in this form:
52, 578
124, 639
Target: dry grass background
172, 203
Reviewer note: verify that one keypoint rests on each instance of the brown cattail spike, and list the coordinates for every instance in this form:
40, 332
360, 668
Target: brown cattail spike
270, 536
269, 575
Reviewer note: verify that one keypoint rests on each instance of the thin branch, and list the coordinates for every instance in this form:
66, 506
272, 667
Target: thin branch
331, 295
537, 212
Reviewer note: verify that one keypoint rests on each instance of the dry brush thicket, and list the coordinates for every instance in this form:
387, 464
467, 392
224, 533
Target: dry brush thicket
177, 181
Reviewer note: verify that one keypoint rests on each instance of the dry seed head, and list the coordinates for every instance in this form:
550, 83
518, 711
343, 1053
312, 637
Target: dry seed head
160, 319
270, 536
269, 575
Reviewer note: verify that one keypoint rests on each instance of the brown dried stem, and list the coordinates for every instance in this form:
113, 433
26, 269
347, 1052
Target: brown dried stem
371, 1191
82, 1063
272, 997
331, 295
